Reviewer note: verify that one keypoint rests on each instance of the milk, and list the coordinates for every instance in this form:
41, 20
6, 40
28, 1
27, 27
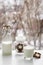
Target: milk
6, 48
28, 52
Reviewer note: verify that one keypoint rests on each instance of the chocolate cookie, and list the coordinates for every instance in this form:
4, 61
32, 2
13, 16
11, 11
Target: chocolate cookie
19, 47
37, 55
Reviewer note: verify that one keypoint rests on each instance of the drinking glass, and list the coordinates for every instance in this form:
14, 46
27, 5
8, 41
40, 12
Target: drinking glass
28, 52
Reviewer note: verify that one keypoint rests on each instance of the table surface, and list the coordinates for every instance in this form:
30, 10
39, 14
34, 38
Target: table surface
18, 59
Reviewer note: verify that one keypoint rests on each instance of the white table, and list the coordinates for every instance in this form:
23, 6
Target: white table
15, 59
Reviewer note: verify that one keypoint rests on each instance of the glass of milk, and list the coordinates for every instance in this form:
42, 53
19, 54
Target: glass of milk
28, 52
6, 47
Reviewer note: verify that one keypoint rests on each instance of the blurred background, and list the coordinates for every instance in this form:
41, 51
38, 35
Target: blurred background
22, 22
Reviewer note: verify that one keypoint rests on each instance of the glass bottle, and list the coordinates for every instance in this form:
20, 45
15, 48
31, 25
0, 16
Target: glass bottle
7, 43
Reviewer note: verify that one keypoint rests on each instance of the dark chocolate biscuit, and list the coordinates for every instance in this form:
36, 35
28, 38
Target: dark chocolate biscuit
37, 55
19, 47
